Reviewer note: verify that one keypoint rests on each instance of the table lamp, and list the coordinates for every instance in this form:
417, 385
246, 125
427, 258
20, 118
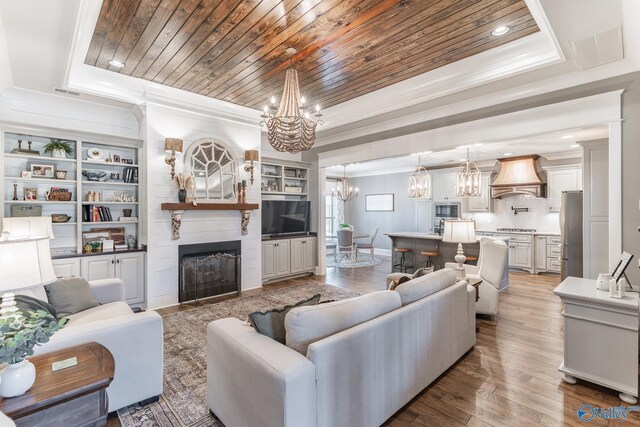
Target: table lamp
459, 231
25, 263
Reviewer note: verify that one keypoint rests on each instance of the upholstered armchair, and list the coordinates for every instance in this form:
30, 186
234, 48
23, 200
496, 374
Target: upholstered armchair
493, 270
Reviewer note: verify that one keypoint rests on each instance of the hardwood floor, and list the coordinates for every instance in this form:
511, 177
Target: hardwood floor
510, 378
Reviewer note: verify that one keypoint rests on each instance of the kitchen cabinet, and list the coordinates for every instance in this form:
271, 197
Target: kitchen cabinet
483, 202
129, 267
521, 252
66, 267
541, 252
303, 254
559, 179
554, 252
444, 186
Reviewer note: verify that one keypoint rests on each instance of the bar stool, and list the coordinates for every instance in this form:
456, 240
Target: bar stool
402, 262
470, 259
430, 255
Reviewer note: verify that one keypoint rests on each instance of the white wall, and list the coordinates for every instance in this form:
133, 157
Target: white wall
197, 226
6, 79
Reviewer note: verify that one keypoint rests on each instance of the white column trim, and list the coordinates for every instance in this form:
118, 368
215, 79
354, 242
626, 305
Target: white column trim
615, 192
321, 268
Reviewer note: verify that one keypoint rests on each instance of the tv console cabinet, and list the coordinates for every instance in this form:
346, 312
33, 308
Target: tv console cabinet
287, 257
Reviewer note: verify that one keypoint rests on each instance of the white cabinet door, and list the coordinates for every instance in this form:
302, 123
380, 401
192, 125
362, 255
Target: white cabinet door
283, 257
541, 253
521, 255
439, 190
481, 203
66, 267
130, 269
309, 261
269, 259
96, 267
561, 179
297, 255
450, 182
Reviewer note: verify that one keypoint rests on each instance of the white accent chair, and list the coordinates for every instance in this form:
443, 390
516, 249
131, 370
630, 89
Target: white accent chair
368, 246
345, 243
493, 270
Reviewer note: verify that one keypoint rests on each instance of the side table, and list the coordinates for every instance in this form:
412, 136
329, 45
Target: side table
74, 396
476, 284
600, 337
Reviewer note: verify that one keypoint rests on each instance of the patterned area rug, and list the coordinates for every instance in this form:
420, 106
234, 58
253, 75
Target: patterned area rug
346, 263
183, 402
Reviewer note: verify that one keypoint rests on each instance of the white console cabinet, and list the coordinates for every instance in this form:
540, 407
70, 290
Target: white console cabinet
126, 266
283, 258
600, 337
66, 267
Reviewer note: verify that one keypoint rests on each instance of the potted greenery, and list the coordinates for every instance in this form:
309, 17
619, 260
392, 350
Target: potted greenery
58, 148
18, 336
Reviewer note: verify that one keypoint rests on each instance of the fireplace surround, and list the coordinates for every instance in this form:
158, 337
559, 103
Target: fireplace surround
208, 269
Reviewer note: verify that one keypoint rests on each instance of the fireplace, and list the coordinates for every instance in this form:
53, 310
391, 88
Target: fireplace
208, 269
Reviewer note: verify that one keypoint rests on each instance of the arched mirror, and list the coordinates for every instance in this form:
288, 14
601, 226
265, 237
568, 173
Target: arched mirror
213, 169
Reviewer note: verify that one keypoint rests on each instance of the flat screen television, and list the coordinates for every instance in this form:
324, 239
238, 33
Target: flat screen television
285, 216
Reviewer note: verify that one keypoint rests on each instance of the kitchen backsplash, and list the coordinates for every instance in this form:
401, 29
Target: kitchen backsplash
503, 217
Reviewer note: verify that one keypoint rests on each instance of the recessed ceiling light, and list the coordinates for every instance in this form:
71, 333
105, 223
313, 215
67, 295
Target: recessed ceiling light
116, 64
566, 136
575, 146
501, 30
508, 154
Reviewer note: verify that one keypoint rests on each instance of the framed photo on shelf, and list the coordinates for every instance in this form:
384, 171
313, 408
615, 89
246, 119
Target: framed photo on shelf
41, 170
31, 193
92, 241
379, 202
25, 174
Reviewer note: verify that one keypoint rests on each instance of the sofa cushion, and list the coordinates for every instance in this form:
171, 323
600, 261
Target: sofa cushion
424, 286
305, 325
271, 322
70, 295
101, 312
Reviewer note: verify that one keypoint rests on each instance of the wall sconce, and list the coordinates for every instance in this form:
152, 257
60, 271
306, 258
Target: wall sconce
250, 156
173, 146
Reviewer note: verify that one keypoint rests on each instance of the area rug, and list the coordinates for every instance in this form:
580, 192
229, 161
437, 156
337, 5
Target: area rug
346, 263
183, 401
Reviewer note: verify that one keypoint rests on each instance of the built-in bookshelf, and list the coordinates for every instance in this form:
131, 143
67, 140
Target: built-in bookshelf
284, 178
102, 176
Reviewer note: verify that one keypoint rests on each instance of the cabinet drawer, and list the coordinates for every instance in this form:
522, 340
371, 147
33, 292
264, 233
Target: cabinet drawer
553, 264
554, 240
519, 238
554, 251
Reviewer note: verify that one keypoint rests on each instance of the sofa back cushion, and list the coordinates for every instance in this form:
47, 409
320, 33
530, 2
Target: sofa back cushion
305, 325
70, 295
426, 285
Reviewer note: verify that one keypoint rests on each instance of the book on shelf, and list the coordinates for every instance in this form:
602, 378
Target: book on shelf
130, 175
96, 213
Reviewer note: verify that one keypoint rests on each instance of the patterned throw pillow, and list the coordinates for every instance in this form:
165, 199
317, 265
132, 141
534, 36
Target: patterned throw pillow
271, 322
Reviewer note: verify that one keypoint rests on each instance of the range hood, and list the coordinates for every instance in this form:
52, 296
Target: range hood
518, 175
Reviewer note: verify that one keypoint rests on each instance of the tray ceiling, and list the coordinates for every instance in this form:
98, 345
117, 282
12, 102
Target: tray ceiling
234, 50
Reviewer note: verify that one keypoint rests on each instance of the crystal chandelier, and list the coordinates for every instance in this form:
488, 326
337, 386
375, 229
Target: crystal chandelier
419, 183
344, 190
289, 127
468, 179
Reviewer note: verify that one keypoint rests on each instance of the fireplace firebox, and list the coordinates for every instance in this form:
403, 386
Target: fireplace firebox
208, 269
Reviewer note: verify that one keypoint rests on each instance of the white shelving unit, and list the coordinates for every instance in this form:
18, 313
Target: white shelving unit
284, 178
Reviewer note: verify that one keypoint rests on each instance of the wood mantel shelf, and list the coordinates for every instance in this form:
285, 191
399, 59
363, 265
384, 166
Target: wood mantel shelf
177, 209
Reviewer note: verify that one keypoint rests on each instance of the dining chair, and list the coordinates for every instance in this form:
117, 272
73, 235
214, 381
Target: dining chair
331, 249
368, 246
345, 243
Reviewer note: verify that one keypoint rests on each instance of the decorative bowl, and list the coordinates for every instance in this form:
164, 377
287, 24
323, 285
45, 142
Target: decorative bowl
58, 218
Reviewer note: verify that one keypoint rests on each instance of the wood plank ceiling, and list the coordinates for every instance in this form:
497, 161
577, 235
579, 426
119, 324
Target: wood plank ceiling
234, 50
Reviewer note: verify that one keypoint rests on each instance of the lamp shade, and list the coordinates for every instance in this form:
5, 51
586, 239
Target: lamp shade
173, 145
251, 156
459, 232
25, 263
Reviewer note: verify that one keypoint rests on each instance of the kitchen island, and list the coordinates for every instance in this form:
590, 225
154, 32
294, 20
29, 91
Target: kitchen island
424, 242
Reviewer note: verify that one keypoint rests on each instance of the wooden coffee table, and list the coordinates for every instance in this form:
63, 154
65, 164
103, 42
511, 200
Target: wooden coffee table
74, 396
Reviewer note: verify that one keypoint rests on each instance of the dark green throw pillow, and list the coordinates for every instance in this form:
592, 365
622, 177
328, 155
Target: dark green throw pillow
26, 304
70, 295
271, 322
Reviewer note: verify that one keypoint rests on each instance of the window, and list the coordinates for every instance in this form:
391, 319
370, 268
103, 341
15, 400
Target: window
331, 213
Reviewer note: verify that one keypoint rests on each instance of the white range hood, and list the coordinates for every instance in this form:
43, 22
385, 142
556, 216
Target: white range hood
518, 175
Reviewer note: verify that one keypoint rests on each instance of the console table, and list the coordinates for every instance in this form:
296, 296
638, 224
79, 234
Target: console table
75, 396
600, 337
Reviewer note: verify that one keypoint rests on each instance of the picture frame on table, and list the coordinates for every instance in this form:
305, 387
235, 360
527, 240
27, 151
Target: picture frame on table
625, 260
30, 194
41, 169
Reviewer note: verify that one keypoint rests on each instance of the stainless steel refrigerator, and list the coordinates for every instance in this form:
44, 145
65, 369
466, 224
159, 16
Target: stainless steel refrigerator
571, 231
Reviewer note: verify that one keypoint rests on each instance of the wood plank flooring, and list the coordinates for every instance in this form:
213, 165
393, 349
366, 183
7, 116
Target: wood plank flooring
509, 379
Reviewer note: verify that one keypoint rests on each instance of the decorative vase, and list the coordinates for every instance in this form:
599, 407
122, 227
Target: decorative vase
58, 154
17, 378
182, 195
